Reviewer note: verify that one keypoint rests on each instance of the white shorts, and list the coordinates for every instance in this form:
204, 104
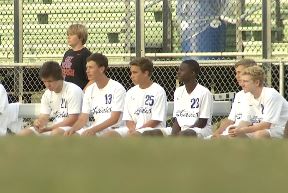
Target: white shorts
201, 132
98, 134
123, 131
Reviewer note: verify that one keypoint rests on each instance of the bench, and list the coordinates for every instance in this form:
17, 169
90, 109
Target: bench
32, 110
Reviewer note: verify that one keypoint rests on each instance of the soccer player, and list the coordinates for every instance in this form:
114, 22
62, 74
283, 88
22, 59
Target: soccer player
193, 104
61, 101
237, 107
145, 103
266, 110
3, 107
104, 99
74, 61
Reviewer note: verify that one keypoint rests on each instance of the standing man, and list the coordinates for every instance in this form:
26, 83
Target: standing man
145, 103
104, 99
61, 102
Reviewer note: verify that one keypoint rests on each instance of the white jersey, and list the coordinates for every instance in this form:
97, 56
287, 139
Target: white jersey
238, 107
60, 105
142, 105
188, 108
3, 99
101, 102
270, 107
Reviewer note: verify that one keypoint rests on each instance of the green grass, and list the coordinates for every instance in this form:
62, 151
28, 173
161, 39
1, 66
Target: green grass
142, 165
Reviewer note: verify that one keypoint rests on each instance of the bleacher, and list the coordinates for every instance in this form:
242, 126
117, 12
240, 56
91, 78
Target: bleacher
111, 26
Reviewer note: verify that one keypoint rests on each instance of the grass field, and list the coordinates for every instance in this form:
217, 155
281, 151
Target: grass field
142, 165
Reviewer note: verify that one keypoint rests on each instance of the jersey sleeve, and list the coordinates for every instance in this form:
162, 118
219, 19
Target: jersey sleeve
175, 105
45, 103
232, 114
126, 113
118, 99
206, 106
3, 99
74, 100
159, 108
87, 101
271, 108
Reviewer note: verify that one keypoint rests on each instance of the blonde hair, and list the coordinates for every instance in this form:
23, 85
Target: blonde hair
246, 63
79, 30
256, 72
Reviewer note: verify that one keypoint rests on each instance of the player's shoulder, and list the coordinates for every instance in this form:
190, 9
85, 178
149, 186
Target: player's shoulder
116, 84
71, 87
133, 90
270, 93
202, 89
157, 87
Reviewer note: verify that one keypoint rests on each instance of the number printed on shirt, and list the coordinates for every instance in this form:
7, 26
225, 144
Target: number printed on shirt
149, 100
108, 98
63, 103
194, 103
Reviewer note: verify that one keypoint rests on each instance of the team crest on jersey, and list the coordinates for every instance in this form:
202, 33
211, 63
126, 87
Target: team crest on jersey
60, 114
97, 110
184, 113
256, 119
143, 110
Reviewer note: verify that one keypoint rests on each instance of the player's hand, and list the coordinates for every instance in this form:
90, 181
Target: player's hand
37, 124
89, 132
69, 132
216, 136
132, 131
234, 132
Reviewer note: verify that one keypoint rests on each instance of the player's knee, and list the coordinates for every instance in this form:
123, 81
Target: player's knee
25, 132
188, 132
57, 132
154, 133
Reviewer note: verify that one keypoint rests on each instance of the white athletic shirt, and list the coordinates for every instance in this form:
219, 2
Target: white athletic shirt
237, 107
60, 105
101, 102
3, 99
270, 107
142, 105
188, 108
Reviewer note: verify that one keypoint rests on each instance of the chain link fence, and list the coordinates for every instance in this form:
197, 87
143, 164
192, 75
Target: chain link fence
171, 26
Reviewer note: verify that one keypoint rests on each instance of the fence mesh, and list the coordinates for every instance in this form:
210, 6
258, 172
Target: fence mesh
23, 81
170, 26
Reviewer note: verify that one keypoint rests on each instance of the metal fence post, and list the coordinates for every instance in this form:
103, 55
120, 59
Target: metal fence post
140, 47
167, 27
281, 78
18, 48
266, 38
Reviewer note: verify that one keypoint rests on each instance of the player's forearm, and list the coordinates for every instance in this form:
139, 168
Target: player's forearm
131, 125
257, 127
69, 121
151, 123
175, 127
223, 125
80, 123
200, 123
108, 123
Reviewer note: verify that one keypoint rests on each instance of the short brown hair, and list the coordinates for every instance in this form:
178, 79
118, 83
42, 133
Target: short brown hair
246, 63
79, 30
99, 59
256, 72
51, 69
144, 64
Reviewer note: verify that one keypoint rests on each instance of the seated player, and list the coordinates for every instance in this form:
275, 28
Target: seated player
61, 102
193, 102
104, 99
145, 103
266, 110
